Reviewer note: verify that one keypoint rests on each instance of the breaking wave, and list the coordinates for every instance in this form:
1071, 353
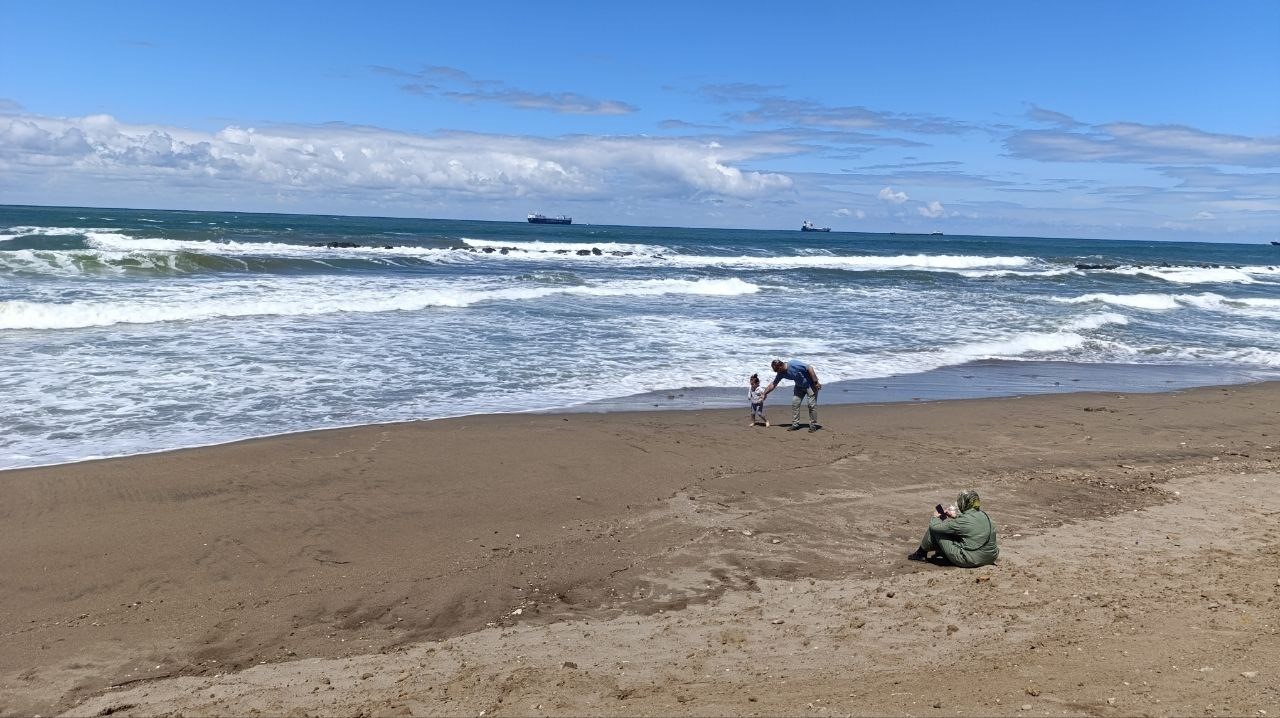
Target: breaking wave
309, 298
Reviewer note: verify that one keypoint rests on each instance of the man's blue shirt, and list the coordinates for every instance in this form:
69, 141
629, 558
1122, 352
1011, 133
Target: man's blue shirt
798, 372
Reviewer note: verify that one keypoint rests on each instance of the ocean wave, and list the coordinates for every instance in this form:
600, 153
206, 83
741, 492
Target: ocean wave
1243, 356
1194, 274
306, 298
1013, 347
807, 259
82, 262
1257, 306
1096, 321
859, 263
541, 247
1024, 346
662, 256
110, 251
113, 252
117, 242
1135, 301
1048, 272
24, 231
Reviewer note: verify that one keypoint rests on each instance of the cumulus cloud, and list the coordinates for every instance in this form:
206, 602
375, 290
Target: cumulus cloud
889, 195
459, 85
353, 160
933, 210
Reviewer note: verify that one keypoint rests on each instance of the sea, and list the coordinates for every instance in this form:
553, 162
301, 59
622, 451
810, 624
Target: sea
131, 331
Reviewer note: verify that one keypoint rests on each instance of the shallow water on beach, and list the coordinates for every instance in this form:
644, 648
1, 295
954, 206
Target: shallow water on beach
124, 331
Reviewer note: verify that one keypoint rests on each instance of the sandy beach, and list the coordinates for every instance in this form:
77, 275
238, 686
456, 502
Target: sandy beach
663, 563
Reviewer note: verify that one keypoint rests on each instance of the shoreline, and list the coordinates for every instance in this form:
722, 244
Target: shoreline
336, 553
991, 379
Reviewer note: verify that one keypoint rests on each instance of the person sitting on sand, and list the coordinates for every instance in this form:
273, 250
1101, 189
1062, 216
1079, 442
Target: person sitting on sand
806, 385
963, 534
755, 395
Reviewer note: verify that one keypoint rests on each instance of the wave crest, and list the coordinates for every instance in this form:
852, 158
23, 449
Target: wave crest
306, 298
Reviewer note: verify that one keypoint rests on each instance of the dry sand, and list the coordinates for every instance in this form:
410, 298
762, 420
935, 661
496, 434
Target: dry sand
673, 563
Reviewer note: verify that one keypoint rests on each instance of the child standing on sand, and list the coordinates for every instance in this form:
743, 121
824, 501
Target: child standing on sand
756, 396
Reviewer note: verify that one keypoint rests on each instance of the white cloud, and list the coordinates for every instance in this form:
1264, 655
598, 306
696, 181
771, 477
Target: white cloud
428, 82
1040, 114
888, 195
933, 210
765, 106
1132, 142
359, 161
1204, 215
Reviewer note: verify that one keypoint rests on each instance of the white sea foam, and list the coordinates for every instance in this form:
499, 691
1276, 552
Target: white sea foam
916, 262
1047, 272
539, 247
1018, 345
1202, 275
115, 252
533, 251
814, 259
1060, 345
117, 242
1256, 306
27, 231
116, 246
1070, 339
1095, 321
1136, 301
720, 354
308, 297
1246, 356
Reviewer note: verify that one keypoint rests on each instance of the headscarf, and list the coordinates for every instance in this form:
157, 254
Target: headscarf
968, 499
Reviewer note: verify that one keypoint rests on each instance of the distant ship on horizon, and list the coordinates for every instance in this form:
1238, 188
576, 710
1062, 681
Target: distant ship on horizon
807, 226
536, 218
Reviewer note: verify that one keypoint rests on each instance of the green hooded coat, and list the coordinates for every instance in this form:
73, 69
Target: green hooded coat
968, 540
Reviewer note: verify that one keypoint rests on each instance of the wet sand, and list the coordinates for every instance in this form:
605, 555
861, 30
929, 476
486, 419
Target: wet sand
662, 563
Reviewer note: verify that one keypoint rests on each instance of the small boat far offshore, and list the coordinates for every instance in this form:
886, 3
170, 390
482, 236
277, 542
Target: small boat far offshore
808, 226
535, 218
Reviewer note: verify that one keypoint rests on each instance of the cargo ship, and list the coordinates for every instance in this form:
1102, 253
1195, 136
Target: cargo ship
536, 218
808, 226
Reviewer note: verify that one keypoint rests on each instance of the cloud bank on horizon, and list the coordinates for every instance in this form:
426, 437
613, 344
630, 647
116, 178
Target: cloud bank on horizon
729, 153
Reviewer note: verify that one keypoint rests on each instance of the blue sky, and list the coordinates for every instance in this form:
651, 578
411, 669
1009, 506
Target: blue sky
1128, 120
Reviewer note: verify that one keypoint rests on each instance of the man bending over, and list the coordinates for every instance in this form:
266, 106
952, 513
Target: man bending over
806, 387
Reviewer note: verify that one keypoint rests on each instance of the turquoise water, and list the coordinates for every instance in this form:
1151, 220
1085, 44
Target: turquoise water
125, 331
